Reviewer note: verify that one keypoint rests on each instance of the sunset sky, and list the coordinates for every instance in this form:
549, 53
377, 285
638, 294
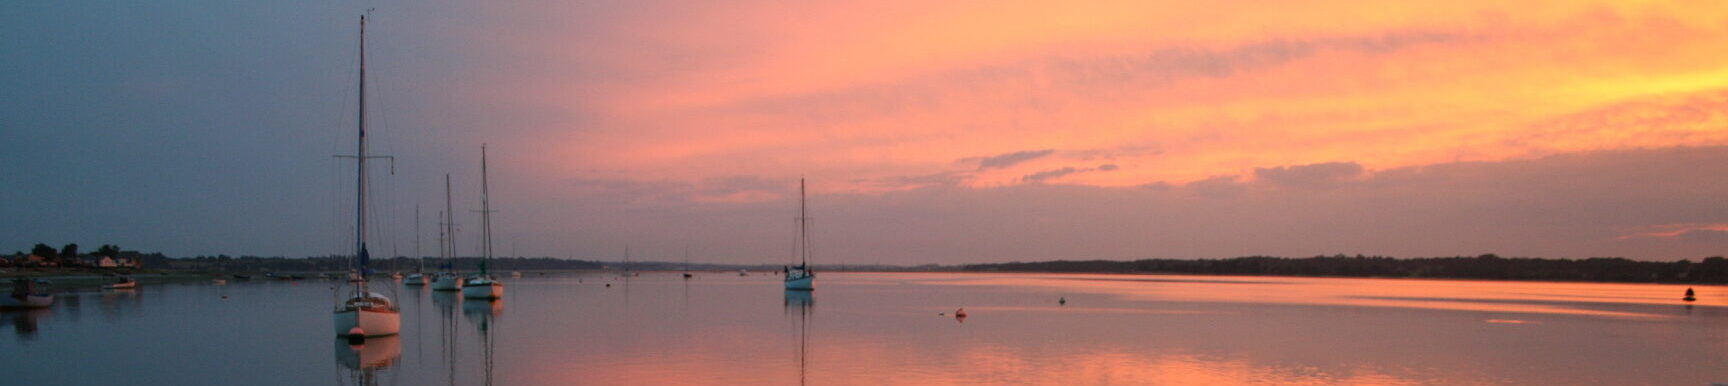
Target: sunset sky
930, 132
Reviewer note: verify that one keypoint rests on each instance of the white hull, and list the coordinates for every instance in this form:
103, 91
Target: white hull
29, 301
805, 283
447, 283
415, 279
493, 290
374, 323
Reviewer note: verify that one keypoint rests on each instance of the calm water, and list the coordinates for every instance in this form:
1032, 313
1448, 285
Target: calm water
865, 328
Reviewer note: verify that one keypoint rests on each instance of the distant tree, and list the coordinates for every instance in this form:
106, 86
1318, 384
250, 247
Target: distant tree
45, 251
109, 250
69, 251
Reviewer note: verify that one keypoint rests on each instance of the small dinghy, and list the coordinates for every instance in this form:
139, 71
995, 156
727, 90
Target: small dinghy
125, 282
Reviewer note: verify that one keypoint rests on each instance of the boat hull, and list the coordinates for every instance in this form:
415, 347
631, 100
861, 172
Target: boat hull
374, 323
120, 286
805, 283
493, 290
29, 301
414, 280
446, 283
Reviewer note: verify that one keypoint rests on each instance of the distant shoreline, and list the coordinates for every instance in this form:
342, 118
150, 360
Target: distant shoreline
1712, 270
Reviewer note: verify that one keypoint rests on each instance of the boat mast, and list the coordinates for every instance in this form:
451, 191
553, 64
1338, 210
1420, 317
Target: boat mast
449, 223
417, 256
360, 193
485, 213
803, 229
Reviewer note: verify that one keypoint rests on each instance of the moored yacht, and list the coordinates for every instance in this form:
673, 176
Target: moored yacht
364, 313
483, 285
800, 277
27, 293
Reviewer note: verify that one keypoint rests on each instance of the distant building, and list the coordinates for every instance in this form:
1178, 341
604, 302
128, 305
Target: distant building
107, 262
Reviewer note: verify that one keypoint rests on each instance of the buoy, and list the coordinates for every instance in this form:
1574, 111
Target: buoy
608, 285
224, 296
960, 313
1689, 296
356, 335
941, 314
1062, 301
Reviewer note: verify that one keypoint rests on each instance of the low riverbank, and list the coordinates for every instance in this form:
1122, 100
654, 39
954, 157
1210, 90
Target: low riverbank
85, 279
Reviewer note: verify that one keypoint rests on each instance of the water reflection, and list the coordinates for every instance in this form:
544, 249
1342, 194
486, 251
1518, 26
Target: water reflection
24, 322
884, 328
802, 304
448, 332
118, 304
364, 362
484, 313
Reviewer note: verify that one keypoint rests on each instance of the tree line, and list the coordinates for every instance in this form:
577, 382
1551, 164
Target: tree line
70, 255
1489, 266
225, 263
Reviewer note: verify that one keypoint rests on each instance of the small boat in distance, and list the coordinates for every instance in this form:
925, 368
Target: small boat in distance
1690, 296
27, 293
125, 282
414, 279
687, 274
445, 280
800, 277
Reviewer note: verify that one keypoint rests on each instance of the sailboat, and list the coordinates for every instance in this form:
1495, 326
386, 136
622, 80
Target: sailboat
364, 313
800, 277
484, 286
27, 293
418, 277
445, 280
687, 274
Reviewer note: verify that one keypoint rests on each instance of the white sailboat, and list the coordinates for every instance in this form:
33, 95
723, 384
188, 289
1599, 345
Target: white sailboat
418, 277
445, 280
800, 277
27, 293
483, 285
364, 313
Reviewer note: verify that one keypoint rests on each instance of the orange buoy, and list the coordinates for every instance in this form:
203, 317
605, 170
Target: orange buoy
356, 335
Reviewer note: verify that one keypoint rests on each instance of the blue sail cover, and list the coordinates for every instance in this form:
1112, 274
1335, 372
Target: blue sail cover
364, 257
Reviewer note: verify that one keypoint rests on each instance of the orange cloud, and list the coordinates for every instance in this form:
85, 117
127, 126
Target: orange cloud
888, 91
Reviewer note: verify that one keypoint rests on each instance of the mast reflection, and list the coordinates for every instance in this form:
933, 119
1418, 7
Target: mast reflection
445, 301
802, 303
484, 315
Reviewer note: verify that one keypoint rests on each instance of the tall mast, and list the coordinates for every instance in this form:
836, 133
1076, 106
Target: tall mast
443, 253
360, 193
417, 254
449, 221
485, 211
803, 228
